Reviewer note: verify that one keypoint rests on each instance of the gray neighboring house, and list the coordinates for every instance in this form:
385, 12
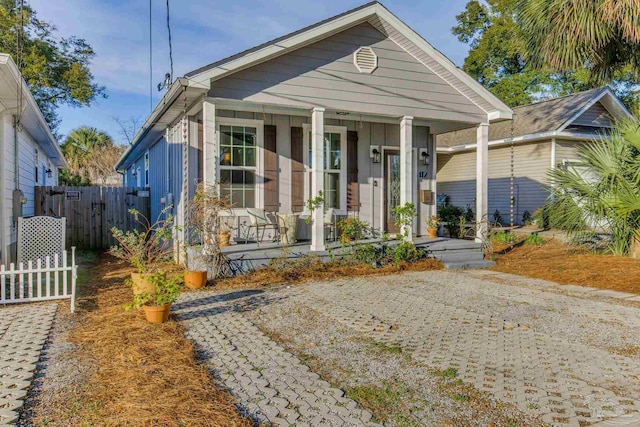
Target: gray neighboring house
30, 155
545, 135
361, 92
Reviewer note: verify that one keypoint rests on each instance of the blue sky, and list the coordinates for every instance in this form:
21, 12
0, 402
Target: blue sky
202, 32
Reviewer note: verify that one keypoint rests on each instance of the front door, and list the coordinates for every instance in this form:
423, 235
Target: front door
392, 188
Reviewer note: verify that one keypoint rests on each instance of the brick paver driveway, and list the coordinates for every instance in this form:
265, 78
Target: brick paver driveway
568, 357
23, 331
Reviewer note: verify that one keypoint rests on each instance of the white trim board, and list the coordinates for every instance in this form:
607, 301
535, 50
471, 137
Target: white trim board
525, 139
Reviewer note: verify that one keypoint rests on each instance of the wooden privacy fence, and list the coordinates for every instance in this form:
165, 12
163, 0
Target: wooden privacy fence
92, 211
39, 280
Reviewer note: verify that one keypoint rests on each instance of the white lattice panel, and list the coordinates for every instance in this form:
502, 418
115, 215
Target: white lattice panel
40, 237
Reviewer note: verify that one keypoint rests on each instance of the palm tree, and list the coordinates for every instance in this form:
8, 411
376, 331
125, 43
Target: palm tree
601, 189
91, 153
603, 35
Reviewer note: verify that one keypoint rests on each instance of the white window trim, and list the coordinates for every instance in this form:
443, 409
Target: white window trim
342, 130
259, 168
146, 162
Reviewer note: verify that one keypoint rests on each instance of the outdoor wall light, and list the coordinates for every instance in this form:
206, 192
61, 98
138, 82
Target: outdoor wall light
424, 154
49, 172
375, 154
134, 174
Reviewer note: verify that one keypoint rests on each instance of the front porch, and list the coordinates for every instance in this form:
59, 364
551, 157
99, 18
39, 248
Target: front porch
263, 156
453, 253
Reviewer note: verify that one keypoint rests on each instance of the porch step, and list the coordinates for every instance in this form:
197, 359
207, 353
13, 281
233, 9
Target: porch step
462, 265
457, 256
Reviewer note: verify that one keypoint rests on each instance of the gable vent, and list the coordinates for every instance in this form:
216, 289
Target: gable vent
365, 60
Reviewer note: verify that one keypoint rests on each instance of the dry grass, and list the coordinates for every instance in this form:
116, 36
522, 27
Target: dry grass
311, 268
561, 263
144, 374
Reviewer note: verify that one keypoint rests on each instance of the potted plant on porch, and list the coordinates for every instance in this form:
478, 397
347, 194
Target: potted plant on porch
208, 216
157, 302
352, 229
432, 226
146, 248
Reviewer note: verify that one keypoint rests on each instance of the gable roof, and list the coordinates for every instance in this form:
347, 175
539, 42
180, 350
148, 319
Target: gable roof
198, 82
553, 115
385, 22
31, 118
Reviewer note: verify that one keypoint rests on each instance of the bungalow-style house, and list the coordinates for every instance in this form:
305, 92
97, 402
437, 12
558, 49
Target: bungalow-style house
349, 106
30, 154
543, 135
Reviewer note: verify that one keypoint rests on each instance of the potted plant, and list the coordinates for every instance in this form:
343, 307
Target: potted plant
351, 228
224, 234
157, 303
208, 223
146, 248
432, 226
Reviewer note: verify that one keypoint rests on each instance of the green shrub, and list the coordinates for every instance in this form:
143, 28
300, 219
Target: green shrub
372, 254
534, 239
407, 252
451, 215
469, 215
526, 218
504, 238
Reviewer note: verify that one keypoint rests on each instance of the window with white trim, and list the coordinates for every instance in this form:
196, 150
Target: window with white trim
334, 166
238, 164
146, 169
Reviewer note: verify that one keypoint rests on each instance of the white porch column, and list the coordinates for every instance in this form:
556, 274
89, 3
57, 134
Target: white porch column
317, 177
482, 182
210, 143
406, 165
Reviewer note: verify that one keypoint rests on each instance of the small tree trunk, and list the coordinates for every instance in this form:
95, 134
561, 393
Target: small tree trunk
634, 250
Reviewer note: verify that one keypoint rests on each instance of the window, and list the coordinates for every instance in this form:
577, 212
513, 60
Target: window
146, 169
238, 160
334, 169
37, 170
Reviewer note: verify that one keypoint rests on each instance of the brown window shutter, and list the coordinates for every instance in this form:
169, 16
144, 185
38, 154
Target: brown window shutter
353, 188
270, 169
297, 170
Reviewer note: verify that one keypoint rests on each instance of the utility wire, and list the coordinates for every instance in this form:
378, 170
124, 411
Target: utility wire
170, 46
150, 61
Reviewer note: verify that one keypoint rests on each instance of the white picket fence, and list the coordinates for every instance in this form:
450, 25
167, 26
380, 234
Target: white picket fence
40, 280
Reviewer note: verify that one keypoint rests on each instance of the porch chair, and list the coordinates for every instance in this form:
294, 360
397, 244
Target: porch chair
260, 219
330, 222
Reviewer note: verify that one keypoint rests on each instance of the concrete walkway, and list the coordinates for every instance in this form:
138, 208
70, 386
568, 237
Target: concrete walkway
560, 356
23, 332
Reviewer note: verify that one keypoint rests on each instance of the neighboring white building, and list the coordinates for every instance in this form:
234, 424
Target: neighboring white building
33, 148
545, 135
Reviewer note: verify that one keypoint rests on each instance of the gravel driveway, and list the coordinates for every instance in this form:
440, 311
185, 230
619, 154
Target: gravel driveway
412, 348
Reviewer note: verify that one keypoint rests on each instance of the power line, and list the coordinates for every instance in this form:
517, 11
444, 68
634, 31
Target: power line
150, 60
170, 46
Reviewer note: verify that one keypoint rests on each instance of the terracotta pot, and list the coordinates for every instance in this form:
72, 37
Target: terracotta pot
142, 283
195, 279
432, 232
157, 313
224, 239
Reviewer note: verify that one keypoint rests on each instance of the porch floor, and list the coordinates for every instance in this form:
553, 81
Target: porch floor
453, 253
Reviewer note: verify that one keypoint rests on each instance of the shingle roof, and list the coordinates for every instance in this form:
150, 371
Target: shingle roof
544, 116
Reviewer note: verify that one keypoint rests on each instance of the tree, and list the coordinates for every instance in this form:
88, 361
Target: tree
92, 154
128, 127
500, 58
601, 35
601, 189
55, 69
